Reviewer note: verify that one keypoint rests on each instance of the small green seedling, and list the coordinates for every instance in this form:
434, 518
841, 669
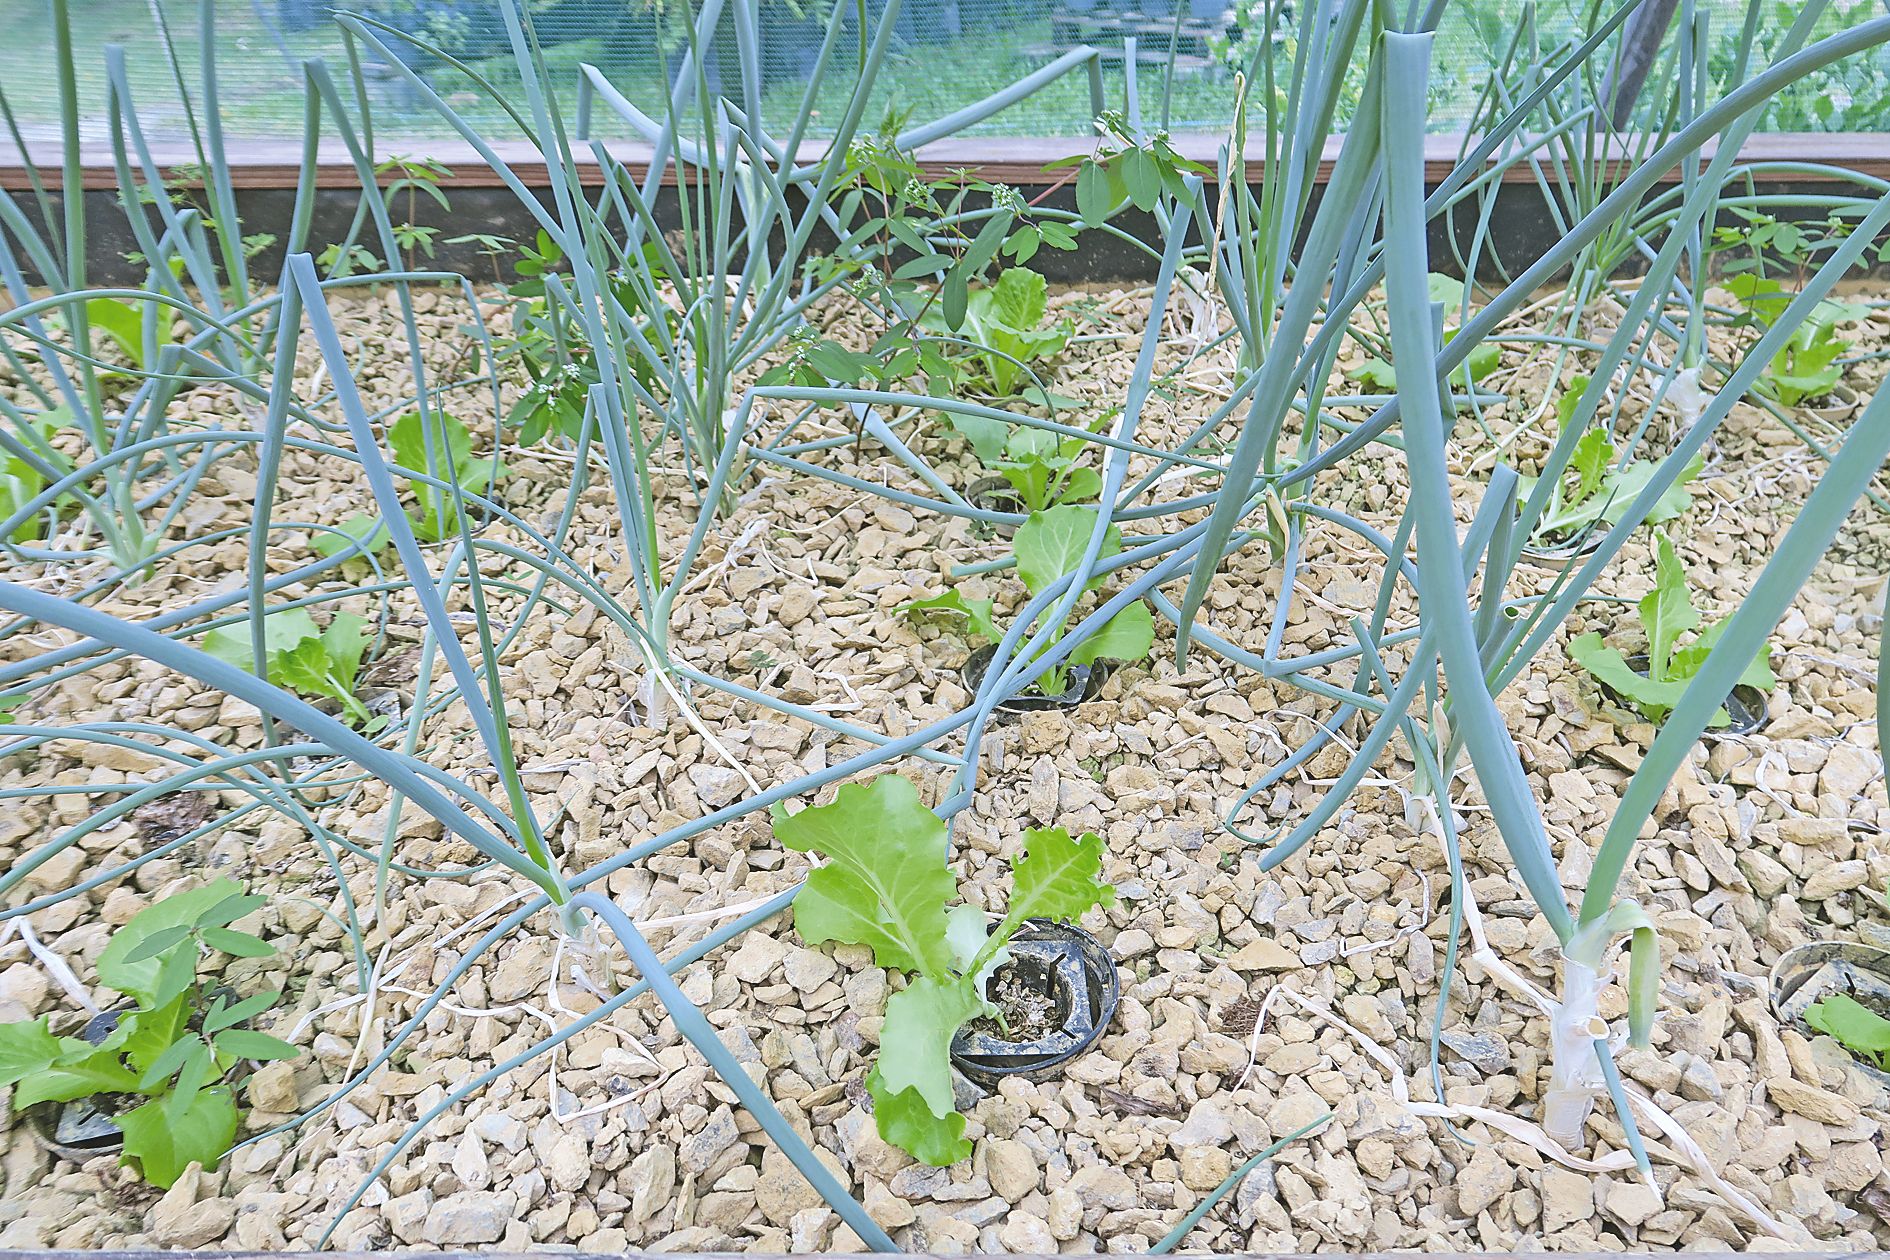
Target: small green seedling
304, 657
1854, 1026
1047, 546
1666, 613
174, 1046
1379, 376
438, 516
1043, 469
885, 884
1593, 490
1806, 367
21, 482
123, 323
1007, 319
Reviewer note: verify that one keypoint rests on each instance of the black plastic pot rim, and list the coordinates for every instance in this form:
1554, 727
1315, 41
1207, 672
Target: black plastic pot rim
1744, 704
1079, 959
1085, 683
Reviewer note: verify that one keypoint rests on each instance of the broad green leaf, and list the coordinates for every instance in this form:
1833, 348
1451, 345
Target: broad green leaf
1057, 877
884, 883
26, 1046
1653, 699
1445, 289
1625, 485
904, 1121
141, 979
967, 930
123, 323
239, 944
99, 1072
1093, 199
230, 909
1377, 373
362, 527
282, 630
247, 1043
1688, 660
1052, 542
1852, 1024
1571, 399
1667, 610
149, 1033
1127, 636
408, 438
164, 1145
1081, 485
915, 1039
1590, 459
985, 435
1020, 298
1142, 178
1031, 479
976, 612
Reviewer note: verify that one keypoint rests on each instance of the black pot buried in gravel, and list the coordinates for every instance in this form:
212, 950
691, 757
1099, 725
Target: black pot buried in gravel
1056, 995
1745, 705
1807, 974
87, 1127
1084, 682
1563, 553
994, 494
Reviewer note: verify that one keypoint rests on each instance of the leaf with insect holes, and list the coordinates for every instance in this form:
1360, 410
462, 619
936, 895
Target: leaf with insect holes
164, 1141
905, 1121
140, 979
916, 1036
1852, 1025
976, 612
884, 883
1057, 877
1052, 542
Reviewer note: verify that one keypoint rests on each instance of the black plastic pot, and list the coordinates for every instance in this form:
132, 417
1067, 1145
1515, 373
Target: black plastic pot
80, 1129
1085, 682
1745, 706
1806, 974
1565, 553
994, 494
1067, 968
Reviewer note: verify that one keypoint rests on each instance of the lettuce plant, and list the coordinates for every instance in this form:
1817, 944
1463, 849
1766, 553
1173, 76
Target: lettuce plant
1596, 490
173, 1047
1049, 545
885, 884
1043, 469
1854, 1026
302, 656
1007, 319
1666, 613
437, 516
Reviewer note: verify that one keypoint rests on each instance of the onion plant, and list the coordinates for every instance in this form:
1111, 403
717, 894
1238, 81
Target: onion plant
684, 335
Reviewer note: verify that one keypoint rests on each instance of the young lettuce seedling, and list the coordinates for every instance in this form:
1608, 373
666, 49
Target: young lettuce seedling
1047, 546
172, 1047
438, 517
302, 656
885, 885
1043, 469
1008, 319
1854, 1026
1592, 490
1806, 367
1666, 613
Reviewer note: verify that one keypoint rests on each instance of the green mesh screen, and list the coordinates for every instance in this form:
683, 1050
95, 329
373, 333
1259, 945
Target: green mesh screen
947, 53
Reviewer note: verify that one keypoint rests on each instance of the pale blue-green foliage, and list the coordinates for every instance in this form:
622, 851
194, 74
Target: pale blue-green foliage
100, 476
